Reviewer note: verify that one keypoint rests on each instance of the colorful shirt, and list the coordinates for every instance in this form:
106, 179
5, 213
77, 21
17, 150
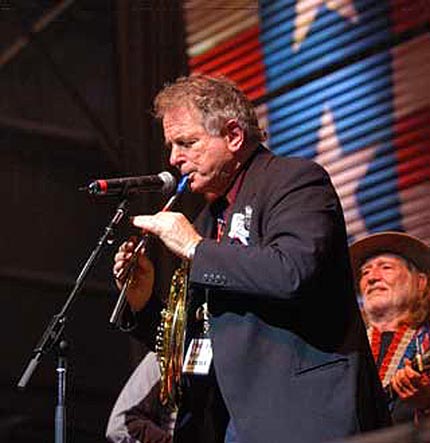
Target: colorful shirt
390, 349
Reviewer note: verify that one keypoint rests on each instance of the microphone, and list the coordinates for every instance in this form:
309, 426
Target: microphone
164, 182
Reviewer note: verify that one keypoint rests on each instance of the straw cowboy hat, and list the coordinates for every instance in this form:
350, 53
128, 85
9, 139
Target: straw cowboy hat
390, 242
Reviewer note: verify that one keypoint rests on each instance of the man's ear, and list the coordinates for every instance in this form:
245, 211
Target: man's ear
422, 282
234, 134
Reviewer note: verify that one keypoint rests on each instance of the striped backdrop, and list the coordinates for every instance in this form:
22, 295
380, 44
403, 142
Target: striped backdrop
343, 82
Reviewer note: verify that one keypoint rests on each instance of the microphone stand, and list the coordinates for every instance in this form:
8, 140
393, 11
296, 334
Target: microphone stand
60, 409
54, 333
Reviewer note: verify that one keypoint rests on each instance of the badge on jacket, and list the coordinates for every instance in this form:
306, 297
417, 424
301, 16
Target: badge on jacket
240, 225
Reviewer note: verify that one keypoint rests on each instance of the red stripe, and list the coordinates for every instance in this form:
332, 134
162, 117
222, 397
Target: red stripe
412, 142
245, 41
239, 59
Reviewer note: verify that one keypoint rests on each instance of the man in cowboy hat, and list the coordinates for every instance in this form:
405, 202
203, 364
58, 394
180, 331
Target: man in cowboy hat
391, 270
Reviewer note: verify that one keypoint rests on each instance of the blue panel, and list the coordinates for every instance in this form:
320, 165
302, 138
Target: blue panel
359, 98
342, 67
330, 39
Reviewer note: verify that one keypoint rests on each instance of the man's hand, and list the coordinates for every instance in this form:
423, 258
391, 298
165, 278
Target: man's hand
142, 280
412, 387
173, 229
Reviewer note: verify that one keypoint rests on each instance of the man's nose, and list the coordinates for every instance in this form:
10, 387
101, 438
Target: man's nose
174, 158
374, 275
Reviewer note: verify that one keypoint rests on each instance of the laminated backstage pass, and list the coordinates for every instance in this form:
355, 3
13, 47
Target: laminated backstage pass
199, 357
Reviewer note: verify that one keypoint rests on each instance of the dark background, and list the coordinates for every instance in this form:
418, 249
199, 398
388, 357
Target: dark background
76, 82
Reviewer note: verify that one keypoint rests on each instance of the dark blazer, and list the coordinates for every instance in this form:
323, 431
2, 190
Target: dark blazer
291, 357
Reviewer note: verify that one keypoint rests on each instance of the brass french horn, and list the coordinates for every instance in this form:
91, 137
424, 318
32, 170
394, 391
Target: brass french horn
170, 339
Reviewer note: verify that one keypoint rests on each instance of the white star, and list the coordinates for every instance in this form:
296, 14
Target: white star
345, 170
306, 11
